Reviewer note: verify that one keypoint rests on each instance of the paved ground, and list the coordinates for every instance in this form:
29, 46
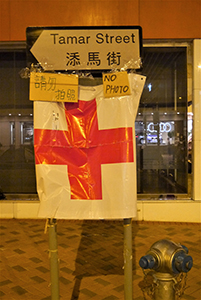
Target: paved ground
91, 258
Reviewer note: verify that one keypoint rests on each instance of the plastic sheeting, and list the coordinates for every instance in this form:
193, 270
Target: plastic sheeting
85, 155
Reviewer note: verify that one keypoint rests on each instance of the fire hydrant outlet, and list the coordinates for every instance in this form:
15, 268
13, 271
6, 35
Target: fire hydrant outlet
147, 262
182, 263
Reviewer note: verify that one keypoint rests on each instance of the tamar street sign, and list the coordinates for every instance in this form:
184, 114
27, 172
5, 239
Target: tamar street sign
85, 48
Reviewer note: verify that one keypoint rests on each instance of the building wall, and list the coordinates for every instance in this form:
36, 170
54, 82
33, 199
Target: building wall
160, 19
158, 211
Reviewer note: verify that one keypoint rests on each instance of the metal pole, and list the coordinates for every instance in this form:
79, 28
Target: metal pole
128, 260
53, 254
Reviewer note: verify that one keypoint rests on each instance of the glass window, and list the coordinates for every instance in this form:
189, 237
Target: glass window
17, 170
163, 142
161, 124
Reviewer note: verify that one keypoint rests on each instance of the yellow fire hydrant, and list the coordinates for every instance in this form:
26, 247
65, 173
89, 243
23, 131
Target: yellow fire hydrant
167, 260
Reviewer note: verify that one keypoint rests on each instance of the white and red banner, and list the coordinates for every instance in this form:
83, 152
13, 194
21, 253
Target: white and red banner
85, 155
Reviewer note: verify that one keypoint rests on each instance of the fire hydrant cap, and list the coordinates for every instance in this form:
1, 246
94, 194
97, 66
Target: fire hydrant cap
183, 263
147, 262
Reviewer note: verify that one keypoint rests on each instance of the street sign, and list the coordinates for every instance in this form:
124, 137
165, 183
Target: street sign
86, 48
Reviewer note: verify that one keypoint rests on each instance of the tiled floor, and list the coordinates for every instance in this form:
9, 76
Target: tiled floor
91, 258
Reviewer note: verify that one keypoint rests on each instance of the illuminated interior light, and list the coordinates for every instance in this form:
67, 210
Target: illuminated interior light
163, 127
150, 127
19, 115
10, 114
150, 87
178, 113
165, 113
199, 66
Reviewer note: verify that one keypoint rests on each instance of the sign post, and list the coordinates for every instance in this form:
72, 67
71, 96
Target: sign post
54, 262
128, 260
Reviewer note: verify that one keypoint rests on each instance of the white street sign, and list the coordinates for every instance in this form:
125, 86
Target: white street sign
93, 48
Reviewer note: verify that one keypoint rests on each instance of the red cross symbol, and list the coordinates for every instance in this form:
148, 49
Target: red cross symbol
83, 148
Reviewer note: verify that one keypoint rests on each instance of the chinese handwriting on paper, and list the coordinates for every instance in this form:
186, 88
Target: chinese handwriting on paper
65, 95
42, 83
53, 87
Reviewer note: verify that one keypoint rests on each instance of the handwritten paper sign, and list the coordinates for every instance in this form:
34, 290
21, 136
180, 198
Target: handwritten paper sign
116, 84
53, 87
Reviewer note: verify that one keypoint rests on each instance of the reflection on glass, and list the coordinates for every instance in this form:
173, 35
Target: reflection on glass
161, 124
163, 135
17, 168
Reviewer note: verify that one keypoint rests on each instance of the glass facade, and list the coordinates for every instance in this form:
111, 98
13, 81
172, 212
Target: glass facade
161, 124
17, 170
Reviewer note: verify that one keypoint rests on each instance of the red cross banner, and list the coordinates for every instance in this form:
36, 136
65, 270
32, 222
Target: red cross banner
85, 154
